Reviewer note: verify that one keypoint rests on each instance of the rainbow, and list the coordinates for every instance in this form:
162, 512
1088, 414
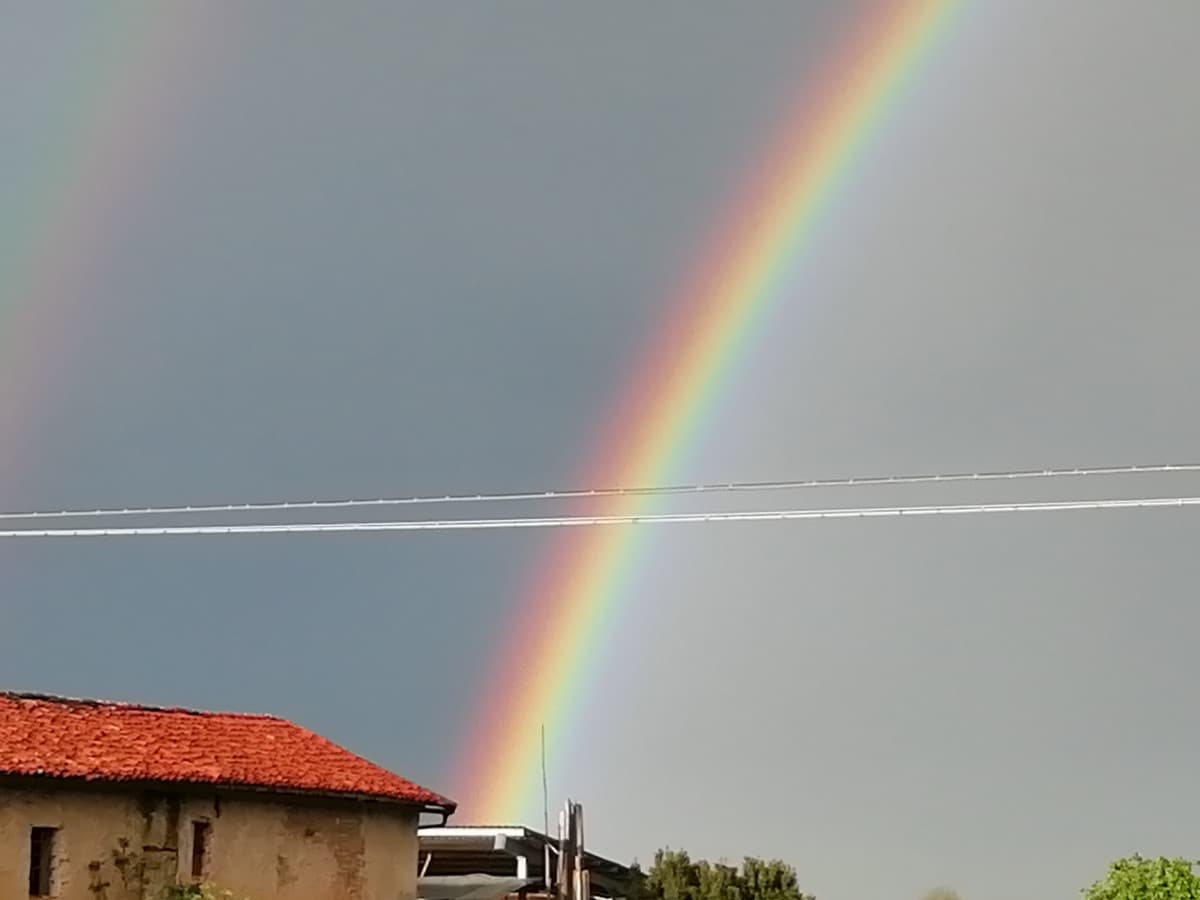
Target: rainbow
575, 592
61, 230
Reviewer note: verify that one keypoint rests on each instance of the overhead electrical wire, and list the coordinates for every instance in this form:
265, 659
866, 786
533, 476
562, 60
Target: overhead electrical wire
778, 515
584, 493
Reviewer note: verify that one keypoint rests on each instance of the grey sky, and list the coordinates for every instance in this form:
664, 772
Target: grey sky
397, 248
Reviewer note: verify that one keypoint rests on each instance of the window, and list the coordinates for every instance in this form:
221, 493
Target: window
200, 832
41, 861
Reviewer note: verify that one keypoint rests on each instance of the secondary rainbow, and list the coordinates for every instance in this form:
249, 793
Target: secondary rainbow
108, 127
577, 590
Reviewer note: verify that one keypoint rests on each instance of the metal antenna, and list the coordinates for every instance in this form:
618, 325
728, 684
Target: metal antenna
545, 816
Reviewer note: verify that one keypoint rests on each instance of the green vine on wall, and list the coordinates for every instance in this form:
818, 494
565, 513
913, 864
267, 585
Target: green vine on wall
197, 892
131, 870
126, 863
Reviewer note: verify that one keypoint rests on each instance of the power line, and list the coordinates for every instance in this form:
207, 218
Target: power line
861, 512
582, 493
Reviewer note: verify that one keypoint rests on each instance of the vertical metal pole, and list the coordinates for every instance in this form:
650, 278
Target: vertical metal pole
584, 880
545, 818
561, 880
577, 830
572, 852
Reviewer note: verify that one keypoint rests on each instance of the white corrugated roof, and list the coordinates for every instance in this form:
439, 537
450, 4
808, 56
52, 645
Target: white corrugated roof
468, 887
467, 831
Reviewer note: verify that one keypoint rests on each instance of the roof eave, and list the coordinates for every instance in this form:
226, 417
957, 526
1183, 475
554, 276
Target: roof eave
439, 805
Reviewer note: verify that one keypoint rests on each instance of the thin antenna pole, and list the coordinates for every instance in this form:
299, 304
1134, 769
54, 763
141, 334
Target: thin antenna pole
545, 816
545, 791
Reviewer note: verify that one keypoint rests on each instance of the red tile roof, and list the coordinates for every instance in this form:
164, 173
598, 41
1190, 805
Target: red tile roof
100, 741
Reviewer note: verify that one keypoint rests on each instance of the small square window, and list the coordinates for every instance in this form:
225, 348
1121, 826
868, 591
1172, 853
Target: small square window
41, 861
200, 835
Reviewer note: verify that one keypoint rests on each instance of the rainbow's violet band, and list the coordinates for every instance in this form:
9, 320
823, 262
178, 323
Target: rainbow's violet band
578, 588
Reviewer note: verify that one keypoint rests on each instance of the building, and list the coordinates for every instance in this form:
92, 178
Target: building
105, 801
476, 862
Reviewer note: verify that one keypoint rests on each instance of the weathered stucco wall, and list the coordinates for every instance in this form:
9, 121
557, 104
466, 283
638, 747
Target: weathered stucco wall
130, 845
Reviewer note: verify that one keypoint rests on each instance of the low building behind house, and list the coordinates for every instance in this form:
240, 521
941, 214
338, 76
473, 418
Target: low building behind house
480, 862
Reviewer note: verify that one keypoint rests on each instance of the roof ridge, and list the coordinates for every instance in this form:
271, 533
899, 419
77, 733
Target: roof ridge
39, 697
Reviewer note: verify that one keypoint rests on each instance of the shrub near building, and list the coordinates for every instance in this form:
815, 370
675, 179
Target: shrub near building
674, 876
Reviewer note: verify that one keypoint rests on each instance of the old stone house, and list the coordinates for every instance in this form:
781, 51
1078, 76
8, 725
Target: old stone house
105, 801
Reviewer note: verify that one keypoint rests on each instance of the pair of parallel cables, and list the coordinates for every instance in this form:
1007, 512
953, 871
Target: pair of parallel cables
34, 524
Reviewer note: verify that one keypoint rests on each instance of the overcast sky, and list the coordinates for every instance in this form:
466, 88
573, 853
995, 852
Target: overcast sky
382, 248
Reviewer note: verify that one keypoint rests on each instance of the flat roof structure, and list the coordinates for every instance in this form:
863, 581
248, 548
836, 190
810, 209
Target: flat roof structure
487, 862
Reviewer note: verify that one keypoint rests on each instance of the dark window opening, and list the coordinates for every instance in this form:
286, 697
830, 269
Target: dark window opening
41, 861
200, 832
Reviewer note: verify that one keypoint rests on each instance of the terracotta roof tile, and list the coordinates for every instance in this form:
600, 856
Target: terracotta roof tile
100, 741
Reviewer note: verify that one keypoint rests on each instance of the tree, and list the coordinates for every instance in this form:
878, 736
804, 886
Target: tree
769, 880
1135, 878
674, 876
942, 893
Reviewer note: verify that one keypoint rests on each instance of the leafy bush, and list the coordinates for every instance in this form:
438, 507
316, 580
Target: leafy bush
1134, 878
198, 892
675, 876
